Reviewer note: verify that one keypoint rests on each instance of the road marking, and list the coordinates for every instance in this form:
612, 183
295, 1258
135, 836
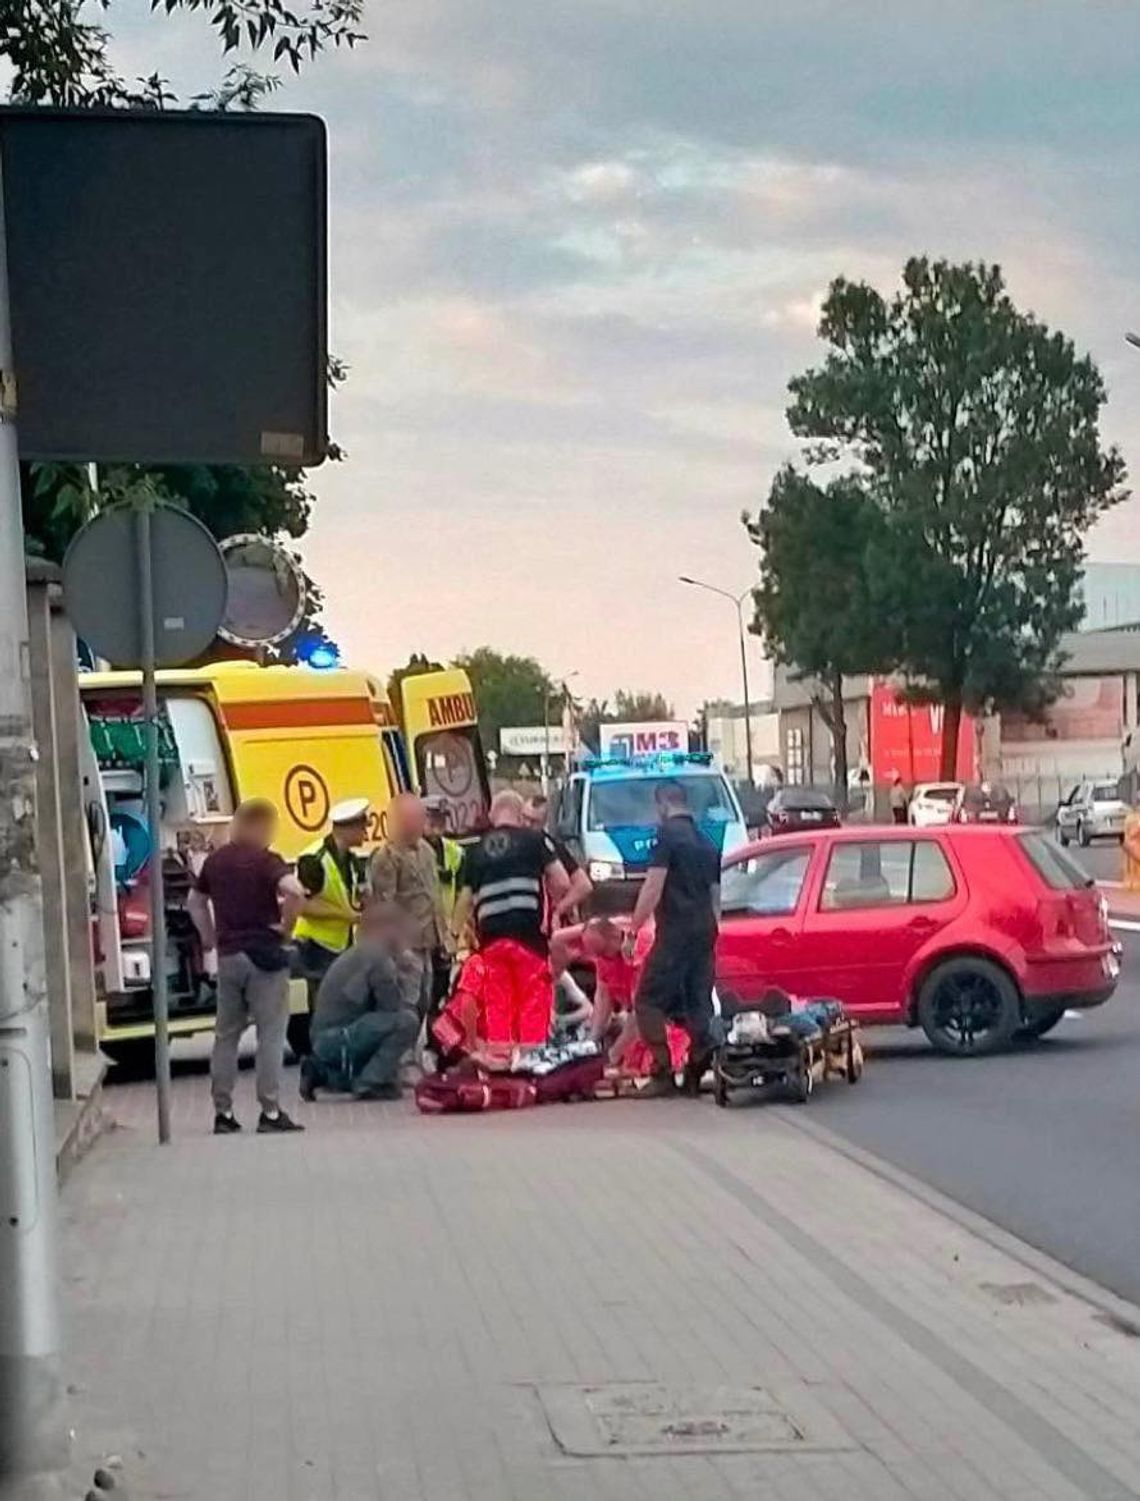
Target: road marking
1126, 925
1074, 1016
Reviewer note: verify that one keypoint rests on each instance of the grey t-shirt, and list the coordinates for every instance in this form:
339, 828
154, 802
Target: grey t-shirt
360, 980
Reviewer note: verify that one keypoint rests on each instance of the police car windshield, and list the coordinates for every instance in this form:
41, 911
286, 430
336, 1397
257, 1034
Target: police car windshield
631, 803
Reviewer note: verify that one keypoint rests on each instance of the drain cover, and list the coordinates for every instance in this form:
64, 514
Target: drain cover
647, 1418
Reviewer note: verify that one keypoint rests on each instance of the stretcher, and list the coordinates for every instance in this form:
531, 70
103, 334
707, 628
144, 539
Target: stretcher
761, 1050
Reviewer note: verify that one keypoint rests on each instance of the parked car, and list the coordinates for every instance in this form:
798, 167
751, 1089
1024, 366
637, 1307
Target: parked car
933, 804
801, 808
985, 802
974, 934
1092, 810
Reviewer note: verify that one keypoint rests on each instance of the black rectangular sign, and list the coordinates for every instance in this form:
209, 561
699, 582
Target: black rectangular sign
167, 278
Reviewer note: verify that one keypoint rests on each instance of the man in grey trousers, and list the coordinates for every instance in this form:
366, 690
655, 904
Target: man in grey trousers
244, 903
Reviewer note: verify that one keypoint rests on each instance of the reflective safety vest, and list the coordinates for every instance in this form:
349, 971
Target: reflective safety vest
333, 933
448, 859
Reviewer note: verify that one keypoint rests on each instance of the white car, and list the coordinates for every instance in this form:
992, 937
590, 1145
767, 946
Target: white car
1093, 810
933, 803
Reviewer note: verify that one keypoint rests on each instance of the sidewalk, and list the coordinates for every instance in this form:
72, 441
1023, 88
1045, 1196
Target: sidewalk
622, 1301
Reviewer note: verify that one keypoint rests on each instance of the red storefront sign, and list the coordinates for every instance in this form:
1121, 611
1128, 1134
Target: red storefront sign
907, 739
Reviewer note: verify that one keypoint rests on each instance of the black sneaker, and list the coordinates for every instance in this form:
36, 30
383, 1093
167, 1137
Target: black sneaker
269, 1125
310, 1078
226, 1125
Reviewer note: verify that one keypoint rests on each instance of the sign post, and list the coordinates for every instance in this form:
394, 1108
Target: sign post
160, 997
147, 588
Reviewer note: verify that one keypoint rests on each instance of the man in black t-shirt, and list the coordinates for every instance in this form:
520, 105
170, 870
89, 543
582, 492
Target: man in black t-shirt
507, 883
682, 891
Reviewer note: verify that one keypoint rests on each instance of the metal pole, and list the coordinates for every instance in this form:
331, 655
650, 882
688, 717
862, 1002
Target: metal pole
158, 990
545, 743
747, 699
33, 1427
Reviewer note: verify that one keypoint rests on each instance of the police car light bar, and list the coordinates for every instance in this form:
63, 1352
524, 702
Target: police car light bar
655, 761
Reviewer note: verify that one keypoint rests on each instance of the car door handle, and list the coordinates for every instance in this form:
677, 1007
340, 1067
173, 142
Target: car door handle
922, 925
780, 935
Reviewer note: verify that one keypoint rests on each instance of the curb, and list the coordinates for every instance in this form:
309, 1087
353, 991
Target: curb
1120, 1312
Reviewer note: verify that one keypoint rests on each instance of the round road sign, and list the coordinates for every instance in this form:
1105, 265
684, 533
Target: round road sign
101, 586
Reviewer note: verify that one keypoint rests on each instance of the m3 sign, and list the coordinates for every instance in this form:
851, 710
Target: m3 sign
650, 739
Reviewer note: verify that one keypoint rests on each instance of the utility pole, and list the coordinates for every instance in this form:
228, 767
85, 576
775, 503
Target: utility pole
33, 1429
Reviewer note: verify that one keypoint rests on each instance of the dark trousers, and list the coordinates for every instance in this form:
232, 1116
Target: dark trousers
899, 815
366, 1054
676, 986
313, 964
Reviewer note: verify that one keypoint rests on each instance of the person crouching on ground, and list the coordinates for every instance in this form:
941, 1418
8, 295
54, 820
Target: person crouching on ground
509, 880
363, 1023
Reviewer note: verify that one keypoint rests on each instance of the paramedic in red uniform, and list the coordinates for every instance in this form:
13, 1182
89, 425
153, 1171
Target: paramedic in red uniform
682, 892
507, 882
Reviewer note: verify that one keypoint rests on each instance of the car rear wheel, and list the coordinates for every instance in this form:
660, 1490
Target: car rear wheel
1041, 1021
969, 1007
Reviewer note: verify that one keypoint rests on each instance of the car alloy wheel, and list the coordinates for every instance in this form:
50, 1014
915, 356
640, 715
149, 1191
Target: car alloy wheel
968, 1007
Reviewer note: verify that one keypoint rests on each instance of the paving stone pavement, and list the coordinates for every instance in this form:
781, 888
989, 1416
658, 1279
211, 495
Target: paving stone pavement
619, 1301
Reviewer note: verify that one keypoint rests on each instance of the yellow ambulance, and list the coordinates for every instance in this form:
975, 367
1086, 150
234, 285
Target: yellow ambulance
301, 737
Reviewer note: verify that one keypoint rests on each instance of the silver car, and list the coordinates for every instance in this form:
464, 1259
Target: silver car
1093, 810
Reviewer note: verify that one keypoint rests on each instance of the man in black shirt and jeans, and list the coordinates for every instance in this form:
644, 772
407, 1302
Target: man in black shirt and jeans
682, 890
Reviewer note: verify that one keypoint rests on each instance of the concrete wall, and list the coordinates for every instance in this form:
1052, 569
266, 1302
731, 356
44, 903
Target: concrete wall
61, 833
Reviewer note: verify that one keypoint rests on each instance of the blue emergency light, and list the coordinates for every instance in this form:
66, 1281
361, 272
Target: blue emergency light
647, 764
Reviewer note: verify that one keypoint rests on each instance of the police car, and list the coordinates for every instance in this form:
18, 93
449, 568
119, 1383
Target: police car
607, 814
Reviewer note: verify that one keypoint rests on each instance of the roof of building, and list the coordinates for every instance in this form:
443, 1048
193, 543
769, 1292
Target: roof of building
1115, 649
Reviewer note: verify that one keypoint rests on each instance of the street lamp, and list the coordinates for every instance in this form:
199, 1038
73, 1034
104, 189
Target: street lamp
546, 729
738, 601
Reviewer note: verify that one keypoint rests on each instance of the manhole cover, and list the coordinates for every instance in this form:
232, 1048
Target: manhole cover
1018, 1294
648, 1418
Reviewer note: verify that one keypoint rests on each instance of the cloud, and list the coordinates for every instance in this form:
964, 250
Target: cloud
578, 250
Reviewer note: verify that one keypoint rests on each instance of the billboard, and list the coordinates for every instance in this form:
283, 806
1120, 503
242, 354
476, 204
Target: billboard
531, 740
1088, 709
643, 739
907, 739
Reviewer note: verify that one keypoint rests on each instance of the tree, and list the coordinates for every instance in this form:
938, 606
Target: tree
813, 605
975, 429
637, 707
59, 50
509, 690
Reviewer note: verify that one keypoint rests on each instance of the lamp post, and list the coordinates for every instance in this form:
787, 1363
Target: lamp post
738, 601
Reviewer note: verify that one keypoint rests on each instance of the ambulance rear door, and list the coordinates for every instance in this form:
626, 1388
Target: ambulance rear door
445, 750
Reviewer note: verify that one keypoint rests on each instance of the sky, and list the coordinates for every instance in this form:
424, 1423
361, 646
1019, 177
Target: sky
578, 249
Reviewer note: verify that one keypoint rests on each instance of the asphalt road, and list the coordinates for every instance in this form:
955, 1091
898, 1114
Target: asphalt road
1044, 1141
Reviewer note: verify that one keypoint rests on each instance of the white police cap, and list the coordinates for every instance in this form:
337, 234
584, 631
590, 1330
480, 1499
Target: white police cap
352, 810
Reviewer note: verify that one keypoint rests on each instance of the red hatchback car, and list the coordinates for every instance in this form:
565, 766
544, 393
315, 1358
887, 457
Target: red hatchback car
975, 934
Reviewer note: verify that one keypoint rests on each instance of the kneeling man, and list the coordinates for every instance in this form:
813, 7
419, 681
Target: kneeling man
363, 1023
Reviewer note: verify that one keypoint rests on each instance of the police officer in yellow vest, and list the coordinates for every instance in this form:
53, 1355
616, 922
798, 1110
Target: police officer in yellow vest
333, 878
